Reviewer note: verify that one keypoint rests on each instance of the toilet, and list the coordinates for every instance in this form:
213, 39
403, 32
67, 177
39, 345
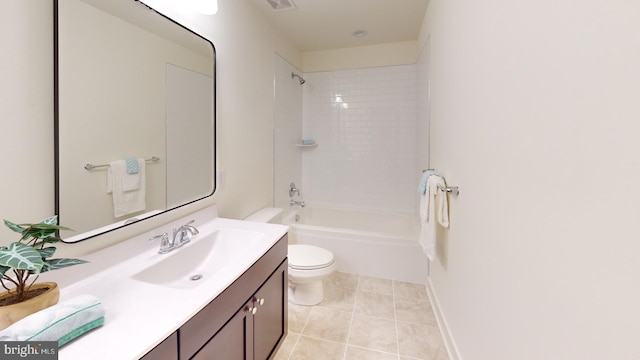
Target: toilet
308, 264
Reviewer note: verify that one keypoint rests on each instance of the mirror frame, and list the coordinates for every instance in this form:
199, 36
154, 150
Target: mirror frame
56, 127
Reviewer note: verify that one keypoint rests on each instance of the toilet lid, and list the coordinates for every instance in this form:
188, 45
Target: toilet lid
309, 257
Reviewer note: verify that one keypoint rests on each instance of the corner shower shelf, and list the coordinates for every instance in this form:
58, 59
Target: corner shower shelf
306, 146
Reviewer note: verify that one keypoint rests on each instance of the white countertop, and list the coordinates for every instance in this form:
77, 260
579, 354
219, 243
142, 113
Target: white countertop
140, 315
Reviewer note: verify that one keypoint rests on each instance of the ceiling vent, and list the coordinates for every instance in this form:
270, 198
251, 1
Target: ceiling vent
281, 5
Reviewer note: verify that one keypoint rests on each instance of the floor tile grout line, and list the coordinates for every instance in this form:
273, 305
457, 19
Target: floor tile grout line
376, 350
306, 321
395, 317
323, 339
353, 314
294, 347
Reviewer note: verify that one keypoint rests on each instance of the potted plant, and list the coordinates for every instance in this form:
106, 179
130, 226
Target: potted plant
27, 257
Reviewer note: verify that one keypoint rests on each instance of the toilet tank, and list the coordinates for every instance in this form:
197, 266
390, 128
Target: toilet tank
266, 215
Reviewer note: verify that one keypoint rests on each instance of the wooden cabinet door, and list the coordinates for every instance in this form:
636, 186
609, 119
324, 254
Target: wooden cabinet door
270, 320
234, 341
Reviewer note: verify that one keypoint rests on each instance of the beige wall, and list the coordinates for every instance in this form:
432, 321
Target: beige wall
245, 44
390, 54
26, 112
535, 116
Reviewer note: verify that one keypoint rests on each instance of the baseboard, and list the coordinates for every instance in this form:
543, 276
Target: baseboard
449, 343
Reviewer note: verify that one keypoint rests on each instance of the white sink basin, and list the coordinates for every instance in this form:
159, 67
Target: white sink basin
199, 260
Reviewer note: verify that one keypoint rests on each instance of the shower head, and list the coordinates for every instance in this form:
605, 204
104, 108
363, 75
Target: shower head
294, 75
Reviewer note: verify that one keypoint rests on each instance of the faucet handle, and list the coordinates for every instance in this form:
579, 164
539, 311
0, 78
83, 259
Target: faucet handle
162, 236
165, 243
293, 190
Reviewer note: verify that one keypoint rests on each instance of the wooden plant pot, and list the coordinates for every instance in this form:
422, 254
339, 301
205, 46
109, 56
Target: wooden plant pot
10, 314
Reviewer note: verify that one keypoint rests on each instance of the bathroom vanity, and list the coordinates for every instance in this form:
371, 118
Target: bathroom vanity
247, 321
236, 308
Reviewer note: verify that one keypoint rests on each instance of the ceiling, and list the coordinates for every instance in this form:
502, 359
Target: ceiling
329, 24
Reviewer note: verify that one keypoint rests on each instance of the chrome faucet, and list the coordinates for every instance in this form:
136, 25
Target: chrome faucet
182, 235
294, 203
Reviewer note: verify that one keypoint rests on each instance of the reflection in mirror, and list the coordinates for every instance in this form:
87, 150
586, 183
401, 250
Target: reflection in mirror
135, 98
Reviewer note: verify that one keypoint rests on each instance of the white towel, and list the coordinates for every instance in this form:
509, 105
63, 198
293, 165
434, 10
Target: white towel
128, 190
442, 209
130, 182
434, 208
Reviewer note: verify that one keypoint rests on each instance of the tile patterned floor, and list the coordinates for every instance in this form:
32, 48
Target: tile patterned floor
364, 318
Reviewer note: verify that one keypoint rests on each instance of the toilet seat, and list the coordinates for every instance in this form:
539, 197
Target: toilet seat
309, 257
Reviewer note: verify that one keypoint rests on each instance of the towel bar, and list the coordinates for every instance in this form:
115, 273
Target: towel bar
453, 190
91, 166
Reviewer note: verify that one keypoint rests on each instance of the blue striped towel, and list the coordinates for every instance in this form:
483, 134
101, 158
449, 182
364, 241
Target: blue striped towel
131, 164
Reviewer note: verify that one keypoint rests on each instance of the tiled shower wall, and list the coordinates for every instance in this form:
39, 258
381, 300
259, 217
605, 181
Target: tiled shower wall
365, 124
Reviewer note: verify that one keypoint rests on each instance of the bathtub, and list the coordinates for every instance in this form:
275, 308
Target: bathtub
370, 243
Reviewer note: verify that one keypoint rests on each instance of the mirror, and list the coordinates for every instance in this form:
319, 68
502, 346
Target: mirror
131, 84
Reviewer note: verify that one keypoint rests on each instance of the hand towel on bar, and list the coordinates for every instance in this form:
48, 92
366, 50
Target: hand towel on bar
130, 181
62, 322
442, 203
425, 239
434, 209
131, 164
422, 187
128, 190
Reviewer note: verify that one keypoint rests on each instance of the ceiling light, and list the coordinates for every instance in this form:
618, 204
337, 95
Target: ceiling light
360, 33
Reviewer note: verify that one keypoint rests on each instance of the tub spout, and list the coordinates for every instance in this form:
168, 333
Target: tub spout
294, 203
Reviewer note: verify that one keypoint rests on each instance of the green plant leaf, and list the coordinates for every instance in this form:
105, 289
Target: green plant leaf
38, 231
15, 227
22, 257
52, 220
52, 223
47, 240
55, 264
42, 230
3, 269
47, 252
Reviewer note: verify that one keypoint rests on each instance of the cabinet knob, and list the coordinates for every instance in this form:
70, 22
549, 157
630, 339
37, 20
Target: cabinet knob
259, 301
252, 309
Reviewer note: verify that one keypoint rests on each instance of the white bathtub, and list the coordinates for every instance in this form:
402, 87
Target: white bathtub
370, 243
